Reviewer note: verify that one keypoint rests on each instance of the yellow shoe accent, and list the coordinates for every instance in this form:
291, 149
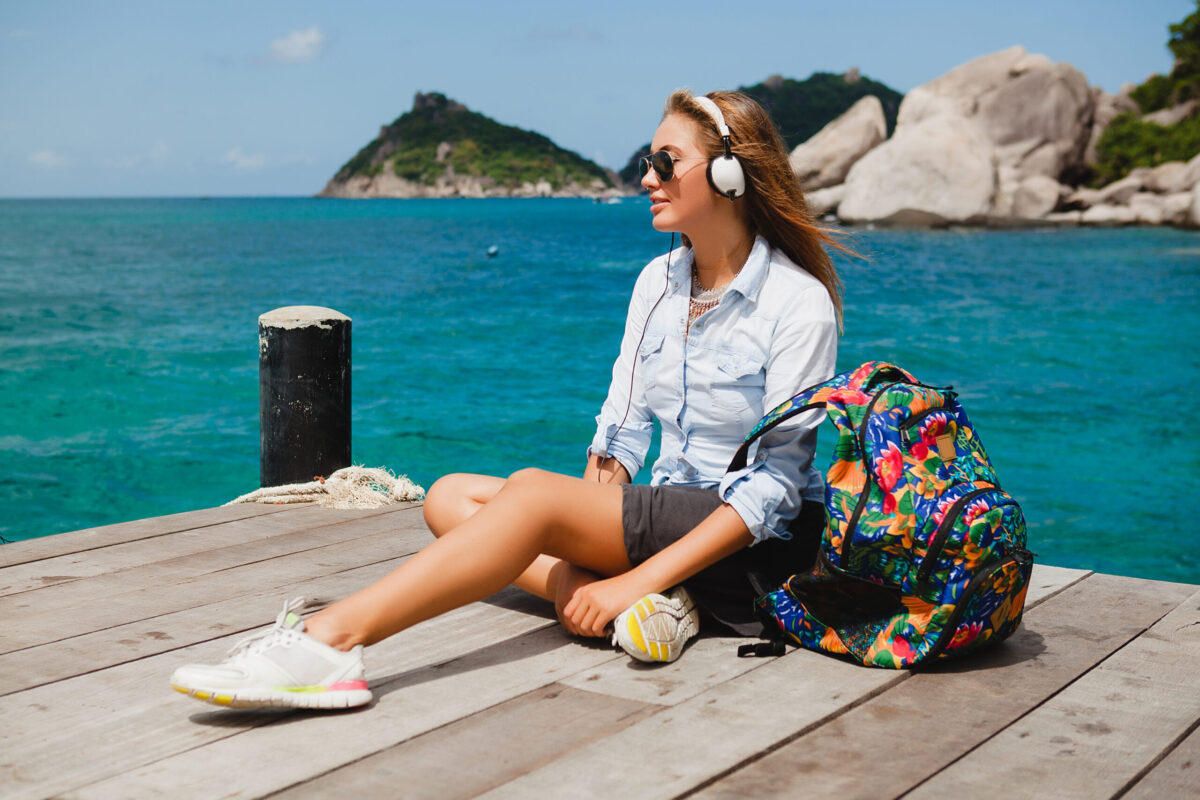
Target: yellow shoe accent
223, 699
635, 633
201, 695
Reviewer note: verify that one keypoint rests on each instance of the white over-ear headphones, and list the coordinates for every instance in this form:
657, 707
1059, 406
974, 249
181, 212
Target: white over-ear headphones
724, 172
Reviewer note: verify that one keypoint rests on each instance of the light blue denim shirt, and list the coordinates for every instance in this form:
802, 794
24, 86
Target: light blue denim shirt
773, 334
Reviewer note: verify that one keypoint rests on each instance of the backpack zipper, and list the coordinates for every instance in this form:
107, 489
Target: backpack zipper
862, 448
1019, 555
938, 540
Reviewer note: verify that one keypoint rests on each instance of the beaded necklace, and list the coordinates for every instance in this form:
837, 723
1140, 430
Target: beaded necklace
703, 299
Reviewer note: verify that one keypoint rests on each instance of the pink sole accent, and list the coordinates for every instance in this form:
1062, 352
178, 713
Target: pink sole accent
346, 686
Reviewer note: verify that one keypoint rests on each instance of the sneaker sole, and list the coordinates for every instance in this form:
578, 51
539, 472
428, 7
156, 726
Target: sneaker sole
633, 638
308, 697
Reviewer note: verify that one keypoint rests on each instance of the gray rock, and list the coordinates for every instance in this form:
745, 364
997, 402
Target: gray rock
825, 201
1169, 116
1193, 214
1106, 215
1176, 208
1119, 192
1064, 218
1028, 198
1147, 208
1162, 178
1083, 196
1036, 196
1188, 178
1035, 113
825, 159
934, 171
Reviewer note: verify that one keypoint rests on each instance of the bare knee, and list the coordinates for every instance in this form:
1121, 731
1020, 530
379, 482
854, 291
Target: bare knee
444, 502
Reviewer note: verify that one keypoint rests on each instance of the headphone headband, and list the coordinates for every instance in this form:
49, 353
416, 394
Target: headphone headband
714, 111
724, 172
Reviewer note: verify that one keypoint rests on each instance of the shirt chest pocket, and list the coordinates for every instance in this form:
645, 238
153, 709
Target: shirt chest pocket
738, 382
650, 359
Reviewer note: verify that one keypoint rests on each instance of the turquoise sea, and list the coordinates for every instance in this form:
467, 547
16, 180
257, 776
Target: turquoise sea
128, 351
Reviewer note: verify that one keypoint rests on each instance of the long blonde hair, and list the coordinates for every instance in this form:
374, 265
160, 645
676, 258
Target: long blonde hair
773, 204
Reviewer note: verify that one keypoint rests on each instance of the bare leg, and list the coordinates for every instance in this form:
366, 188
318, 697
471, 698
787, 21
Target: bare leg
534, 512
453, 499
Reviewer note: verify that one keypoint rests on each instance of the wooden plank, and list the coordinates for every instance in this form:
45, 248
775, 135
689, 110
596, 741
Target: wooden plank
35, 666
1047, 581
260, 759
953, 708
708, 661
673, 751
146, 554
484, 750
61, 544
128, 717
714, 730
71, 609
1102, 731
1177, 775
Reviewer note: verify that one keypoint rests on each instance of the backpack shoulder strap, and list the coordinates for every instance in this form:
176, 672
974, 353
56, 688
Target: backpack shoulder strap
815, 396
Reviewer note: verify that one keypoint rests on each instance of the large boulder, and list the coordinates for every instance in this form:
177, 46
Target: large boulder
934, 171
825, 201
1163, 177
1035, 113
825, 159
1187, 178
1106, 215
1028, 198
1176, 207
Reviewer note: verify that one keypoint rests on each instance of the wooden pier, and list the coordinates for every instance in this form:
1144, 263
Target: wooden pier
1097, 695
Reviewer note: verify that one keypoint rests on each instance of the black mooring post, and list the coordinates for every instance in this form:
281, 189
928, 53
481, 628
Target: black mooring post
303, 394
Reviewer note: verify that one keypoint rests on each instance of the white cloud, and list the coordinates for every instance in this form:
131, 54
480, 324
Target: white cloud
155, 155
298, 45
47, 159
241, 160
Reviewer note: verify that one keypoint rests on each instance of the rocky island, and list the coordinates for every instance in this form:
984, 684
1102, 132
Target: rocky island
440, 148
1010, 138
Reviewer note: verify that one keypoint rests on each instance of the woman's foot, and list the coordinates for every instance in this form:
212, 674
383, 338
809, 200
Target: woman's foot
282, 667
657, 627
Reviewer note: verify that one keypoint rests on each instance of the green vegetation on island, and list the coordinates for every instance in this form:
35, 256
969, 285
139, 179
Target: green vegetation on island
1130, 141
441, 138
800, 109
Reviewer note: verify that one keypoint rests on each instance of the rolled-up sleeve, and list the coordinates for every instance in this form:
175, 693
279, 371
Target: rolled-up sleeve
620, 434
767, 492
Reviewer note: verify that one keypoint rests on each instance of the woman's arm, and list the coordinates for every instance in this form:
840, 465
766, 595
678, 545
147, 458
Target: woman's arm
594, 606
605, 470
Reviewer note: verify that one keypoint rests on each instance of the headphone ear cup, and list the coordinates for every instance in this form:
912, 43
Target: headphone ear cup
725, 176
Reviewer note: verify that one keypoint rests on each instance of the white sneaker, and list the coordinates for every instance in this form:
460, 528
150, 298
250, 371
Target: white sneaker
281, 666
657, 627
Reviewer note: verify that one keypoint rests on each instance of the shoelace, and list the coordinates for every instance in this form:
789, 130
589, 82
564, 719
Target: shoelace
258, 641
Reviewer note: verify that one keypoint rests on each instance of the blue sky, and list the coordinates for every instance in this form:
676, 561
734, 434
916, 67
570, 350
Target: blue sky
140, 98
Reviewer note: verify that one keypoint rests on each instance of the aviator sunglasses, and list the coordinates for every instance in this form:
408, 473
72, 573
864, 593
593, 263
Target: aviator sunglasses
663, 164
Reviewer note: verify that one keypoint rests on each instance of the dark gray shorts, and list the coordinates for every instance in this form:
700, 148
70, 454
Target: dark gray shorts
656, 516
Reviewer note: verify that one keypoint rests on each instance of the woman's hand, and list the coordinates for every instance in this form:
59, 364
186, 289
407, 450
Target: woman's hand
569, 580
594, 605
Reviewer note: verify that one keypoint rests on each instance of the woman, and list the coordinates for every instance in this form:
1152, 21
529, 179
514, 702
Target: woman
736, 321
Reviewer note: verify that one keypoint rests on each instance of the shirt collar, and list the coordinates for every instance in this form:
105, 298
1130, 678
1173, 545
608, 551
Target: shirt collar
749, 280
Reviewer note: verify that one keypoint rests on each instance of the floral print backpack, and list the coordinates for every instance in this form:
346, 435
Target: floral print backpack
923, 555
